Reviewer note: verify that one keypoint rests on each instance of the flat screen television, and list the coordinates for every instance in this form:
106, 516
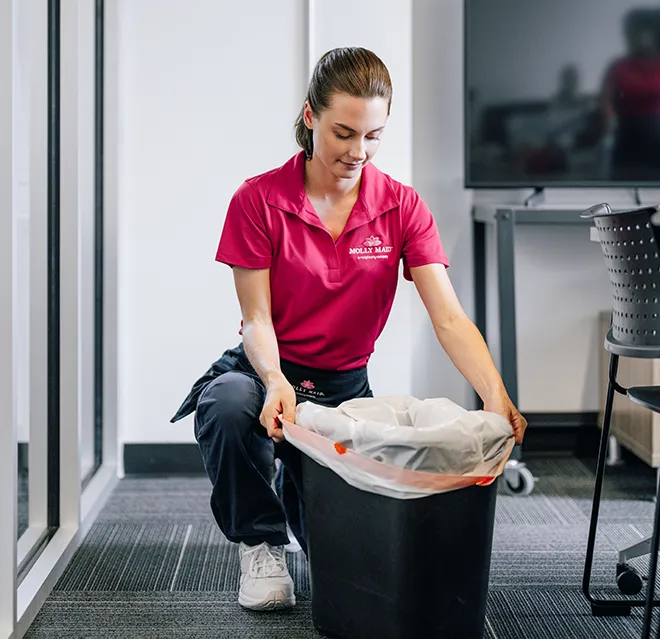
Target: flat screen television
562, 93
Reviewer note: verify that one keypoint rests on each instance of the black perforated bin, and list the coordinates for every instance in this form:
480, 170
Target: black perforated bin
385, 568
629, 244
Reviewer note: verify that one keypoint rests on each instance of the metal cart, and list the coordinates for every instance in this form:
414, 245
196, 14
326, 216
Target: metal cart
503, 218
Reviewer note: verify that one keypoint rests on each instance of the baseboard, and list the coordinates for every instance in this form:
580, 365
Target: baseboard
575, 433
571, 433
162, 459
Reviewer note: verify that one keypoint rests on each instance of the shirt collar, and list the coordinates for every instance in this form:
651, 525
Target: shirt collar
287, 192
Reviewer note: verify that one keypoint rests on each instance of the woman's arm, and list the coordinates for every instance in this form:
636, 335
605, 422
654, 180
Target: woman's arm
462, 341
260, 342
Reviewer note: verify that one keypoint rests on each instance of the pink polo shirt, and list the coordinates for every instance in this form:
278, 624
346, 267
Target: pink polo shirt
330, 300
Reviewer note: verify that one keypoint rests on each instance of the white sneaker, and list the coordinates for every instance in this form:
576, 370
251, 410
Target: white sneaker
265, 580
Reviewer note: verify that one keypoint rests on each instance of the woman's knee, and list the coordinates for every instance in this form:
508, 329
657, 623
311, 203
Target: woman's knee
232, 402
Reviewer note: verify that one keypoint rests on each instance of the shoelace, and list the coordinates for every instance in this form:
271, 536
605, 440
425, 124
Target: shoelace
266, 560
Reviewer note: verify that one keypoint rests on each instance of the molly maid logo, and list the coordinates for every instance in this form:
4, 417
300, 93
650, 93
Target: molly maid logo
307, 388
373, 240
372, 248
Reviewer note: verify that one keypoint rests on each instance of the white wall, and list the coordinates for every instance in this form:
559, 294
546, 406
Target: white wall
206, 101
209, 92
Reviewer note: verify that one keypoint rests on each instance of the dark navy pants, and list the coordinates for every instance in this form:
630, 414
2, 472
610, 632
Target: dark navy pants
238, 455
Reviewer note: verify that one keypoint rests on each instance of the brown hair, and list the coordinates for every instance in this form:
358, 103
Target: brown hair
354, 71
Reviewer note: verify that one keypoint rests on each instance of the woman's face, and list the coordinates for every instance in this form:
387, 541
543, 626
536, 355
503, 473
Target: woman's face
347, 134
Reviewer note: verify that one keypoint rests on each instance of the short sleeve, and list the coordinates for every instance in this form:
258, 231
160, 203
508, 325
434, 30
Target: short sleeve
421, 239
245, 241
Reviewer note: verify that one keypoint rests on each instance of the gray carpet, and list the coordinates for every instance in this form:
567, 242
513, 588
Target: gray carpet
154, 564
23, 502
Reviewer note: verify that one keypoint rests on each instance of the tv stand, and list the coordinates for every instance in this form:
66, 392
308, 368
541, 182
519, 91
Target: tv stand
538, 197
504, 219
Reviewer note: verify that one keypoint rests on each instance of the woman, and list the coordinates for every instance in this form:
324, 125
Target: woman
315, 247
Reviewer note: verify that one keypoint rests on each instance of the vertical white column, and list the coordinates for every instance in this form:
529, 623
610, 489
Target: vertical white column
8, 435
312, 53
38, 451
22, 220
85, 121
70, 276
110, 231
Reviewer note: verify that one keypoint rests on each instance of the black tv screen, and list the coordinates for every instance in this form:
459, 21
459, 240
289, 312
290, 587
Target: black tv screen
562, 93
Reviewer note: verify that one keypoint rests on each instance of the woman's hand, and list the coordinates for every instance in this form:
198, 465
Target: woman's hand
502, 405
280, 401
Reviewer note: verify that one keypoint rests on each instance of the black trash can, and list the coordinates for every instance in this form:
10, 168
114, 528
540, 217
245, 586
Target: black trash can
385, 568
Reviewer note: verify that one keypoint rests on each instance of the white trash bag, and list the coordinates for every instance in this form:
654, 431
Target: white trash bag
404, 447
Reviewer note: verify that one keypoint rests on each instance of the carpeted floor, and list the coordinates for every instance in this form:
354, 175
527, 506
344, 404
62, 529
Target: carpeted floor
155, 566
23, 502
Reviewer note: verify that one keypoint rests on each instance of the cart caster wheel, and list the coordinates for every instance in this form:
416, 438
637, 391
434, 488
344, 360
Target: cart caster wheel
630, 582
518, 479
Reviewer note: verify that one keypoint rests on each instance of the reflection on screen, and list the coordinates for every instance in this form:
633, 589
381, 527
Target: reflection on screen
562, 92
